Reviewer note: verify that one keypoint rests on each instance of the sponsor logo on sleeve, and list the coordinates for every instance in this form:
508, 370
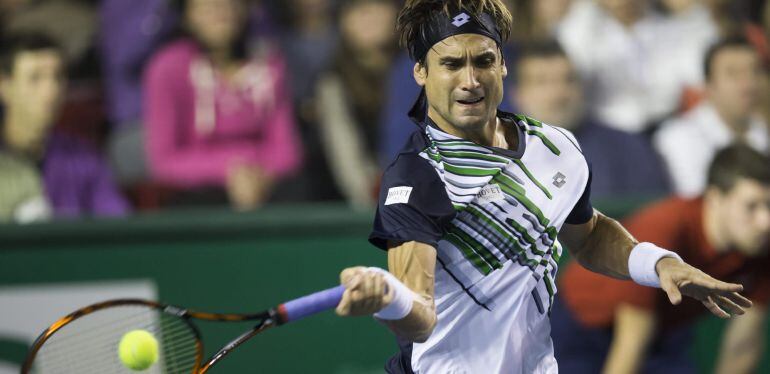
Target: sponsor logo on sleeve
398, 195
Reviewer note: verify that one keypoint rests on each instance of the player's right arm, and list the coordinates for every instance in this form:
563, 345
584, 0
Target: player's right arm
633, 330
367, 292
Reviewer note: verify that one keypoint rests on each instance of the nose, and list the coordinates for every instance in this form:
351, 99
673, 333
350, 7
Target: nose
469, 80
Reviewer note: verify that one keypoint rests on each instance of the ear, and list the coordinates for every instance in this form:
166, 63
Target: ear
503, 69
420, 73
713, 195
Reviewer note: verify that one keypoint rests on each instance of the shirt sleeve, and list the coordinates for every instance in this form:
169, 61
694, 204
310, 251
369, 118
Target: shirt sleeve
413, 204
583, 210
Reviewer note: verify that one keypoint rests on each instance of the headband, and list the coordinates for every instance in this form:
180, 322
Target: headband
440, 26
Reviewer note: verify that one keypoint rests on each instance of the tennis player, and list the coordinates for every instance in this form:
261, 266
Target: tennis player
470, 210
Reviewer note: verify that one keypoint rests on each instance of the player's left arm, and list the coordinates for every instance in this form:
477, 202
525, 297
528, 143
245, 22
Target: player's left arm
603, 246
743, 343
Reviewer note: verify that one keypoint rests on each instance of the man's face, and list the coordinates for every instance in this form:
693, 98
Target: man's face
549, 90
745, 215
735, 81
463, 81
32, 94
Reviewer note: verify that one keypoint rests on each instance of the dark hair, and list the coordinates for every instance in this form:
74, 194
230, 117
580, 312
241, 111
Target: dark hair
537, 49
540, 49
415, 14
735, 41
735, 162
14, 44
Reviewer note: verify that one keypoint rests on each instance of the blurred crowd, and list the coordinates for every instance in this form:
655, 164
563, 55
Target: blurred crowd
116, 106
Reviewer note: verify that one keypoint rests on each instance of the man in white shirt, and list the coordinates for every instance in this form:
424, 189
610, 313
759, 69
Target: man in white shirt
637, 62
729, 114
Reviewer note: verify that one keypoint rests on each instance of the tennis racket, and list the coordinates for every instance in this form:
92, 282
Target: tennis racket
86, 341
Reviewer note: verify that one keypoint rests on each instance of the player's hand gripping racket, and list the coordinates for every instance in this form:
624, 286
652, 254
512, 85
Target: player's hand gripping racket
87, 340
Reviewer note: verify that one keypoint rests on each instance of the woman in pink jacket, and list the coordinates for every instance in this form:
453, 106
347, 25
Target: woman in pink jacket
217, 109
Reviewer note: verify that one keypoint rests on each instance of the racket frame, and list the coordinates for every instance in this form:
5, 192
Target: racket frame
267, 319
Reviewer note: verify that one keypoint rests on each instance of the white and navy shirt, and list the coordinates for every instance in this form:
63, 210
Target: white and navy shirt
493, 216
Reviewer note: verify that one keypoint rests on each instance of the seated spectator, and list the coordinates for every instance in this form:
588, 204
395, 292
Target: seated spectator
130, 32
638, 64
216, 108
606, 325
548, 88
728, 114
76, 179
350, 97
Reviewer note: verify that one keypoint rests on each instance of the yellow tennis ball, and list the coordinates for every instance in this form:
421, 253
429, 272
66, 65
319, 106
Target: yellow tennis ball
138, 350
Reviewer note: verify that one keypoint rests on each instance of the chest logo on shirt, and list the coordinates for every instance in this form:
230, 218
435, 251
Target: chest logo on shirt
398, 195
490, 193
559, 179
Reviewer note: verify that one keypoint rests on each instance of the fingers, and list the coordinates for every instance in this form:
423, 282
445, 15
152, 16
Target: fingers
348, 275
739, 299
365, 292
706, 281
729, 305
343, 308
714, 308
671, 289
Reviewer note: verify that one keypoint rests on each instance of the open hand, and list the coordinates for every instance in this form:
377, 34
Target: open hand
720, 298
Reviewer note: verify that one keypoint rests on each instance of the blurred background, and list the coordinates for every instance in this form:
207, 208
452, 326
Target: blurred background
226, 154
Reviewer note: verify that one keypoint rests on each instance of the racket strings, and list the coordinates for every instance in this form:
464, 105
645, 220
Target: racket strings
171, 339
89, 344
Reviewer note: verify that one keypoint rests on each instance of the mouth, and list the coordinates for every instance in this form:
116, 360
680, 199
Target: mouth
471, 102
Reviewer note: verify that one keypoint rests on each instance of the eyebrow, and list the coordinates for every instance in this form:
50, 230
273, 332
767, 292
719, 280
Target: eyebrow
488, 54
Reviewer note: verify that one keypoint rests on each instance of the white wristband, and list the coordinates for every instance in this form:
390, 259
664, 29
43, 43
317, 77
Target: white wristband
403, 298
642, 261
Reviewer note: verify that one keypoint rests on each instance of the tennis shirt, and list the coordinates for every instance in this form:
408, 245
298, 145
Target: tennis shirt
493, 216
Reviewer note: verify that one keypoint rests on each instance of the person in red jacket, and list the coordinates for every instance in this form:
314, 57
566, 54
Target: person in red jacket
612, 326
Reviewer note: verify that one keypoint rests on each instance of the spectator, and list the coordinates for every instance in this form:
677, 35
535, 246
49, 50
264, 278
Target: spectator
350, 97
75, 178
729, 113
637, 63
130, 32
548, 88
539, 20
217, 110
611, 326
310, 42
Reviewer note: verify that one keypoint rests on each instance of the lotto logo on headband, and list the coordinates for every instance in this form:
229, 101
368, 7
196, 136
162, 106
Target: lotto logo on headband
461, 19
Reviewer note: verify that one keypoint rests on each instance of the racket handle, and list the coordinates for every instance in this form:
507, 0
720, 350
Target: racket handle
311, 304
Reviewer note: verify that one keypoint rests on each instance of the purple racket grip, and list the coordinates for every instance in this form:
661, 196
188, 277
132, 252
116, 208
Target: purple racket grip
311, 304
